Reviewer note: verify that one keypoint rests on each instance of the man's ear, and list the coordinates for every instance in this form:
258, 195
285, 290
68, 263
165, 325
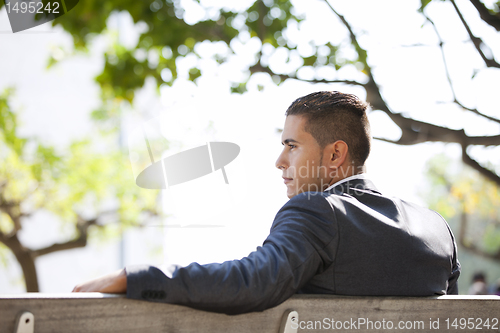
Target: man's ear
337, 153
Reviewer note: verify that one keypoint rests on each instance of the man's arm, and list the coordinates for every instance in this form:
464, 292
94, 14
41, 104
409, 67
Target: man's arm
301, 244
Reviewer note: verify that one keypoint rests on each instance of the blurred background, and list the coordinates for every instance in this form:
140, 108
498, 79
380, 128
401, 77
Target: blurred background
82, 97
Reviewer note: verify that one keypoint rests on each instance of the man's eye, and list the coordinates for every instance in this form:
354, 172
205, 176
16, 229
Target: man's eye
291, 146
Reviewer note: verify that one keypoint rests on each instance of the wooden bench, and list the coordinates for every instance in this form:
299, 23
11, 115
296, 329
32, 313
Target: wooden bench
96, 312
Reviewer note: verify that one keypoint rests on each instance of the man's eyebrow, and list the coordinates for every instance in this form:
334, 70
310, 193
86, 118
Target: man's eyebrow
287, 141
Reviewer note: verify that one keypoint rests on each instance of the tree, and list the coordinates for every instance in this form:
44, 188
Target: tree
170, 34
83, 187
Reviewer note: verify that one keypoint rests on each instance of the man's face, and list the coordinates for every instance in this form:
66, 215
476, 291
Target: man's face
301, 159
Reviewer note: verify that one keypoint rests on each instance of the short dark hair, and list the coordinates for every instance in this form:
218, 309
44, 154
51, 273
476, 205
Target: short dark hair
479, 276
332, 116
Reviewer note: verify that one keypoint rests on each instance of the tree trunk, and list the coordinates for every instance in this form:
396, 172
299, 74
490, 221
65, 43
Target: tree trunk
26, 260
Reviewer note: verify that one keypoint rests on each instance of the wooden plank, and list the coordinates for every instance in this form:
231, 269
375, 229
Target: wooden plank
95, 312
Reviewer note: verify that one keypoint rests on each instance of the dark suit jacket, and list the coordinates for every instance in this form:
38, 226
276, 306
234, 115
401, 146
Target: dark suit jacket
350, 240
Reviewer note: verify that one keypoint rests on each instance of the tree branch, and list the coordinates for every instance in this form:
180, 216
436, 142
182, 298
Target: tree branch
448, 77
475, 40
13, 209
478, 167
486, 15
373, 95
258, 68
477, 112
261, 33
81, 241
10, 207
385, 140
415, 131
82, 226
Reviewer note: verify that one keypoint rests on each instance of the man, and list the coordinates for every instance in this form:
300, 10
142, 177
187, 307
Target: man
336, 235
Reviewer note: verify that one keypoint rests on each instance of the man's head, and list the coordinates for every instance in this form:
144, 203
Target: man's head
326, 138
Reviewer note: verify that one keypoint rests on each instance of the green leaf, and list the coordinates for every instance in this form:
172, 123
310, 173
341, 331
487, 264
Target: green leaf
194, 73
239, 88
310, 61
8, 123
424, 4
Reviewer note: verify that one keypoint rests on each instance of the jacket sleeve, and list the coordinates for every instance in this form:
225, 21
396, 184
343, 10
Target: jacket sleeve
301, 243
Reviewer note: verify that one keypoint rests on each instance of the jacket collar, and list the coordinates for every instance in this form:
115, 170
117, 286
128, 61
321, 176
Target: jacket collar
357, 176
354, 186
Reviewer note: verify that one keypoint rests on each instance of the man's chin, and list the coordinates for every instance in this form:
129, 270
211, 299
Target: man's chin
291, 193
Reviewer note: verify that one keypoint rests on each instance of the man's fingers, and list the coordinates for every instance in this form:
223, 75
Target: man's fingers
78, 288
112, 283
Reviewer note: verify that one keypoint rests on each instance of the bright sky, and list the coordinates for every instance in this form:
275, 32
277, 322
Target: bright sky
56, 104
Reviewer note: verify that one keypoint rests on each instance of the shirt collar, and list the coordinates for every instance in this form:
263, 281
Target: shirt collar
358, 176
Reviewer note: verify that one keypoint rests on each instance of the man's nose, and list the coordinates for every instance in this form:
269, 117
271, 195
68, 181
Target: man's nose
280, 162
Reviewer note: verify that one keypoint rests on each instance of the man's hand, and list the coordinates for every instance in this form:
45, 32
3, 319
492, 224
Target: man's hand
115, 283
